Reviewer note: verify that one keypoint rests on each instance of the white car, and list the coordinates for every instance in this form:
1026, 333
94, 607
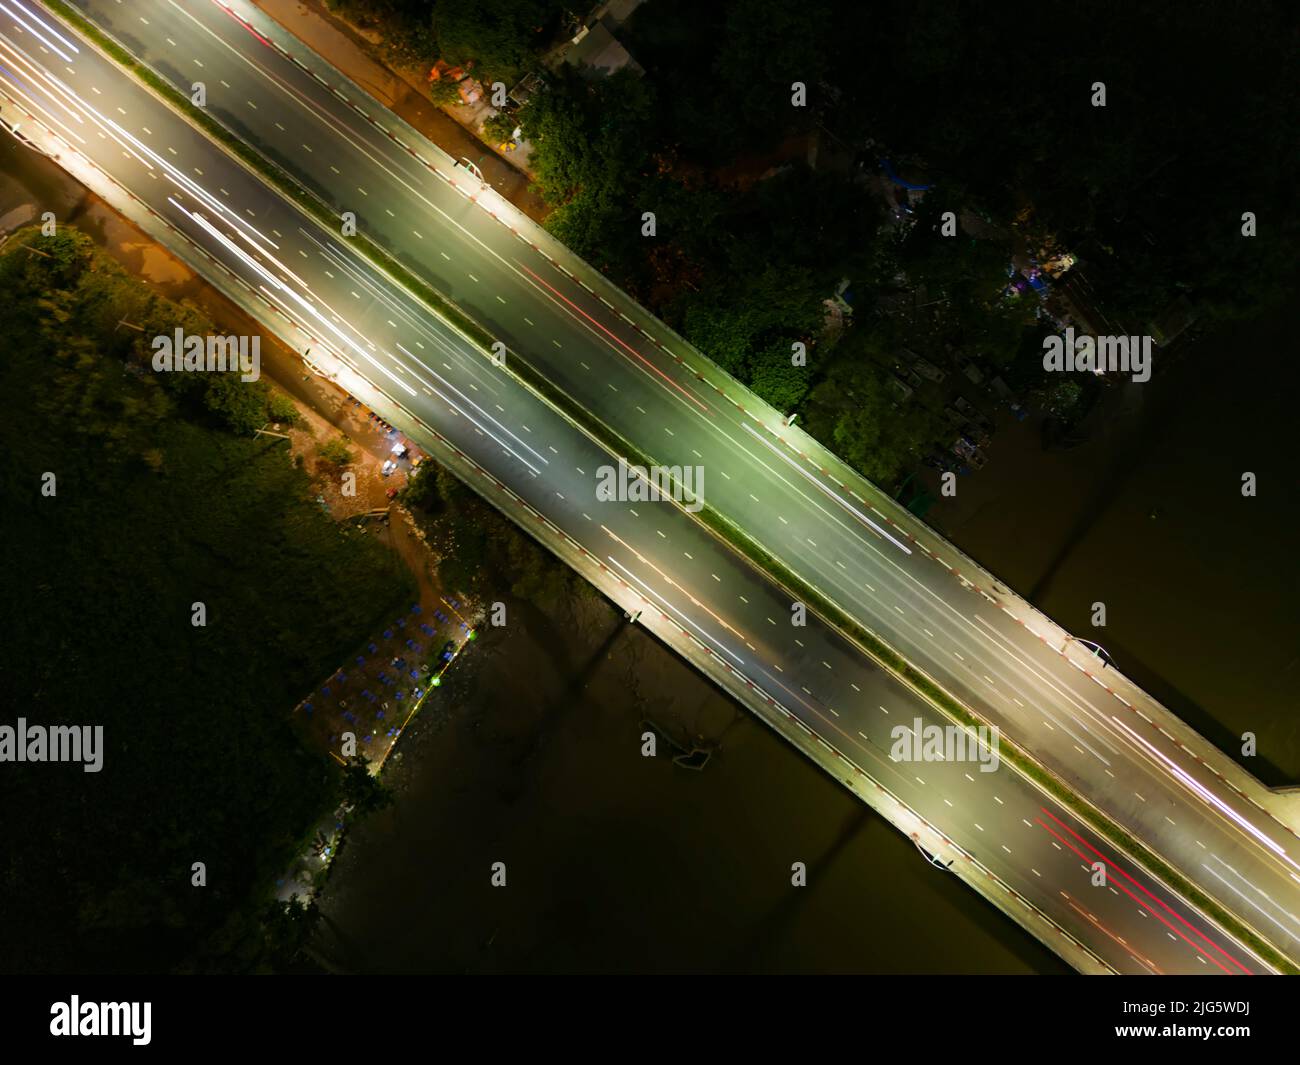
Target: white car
388, 467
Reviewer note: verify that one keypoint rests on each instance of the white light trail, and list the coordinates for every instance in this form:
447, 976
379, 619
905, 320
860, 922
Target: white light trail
673, 608
1208, 796
834, 495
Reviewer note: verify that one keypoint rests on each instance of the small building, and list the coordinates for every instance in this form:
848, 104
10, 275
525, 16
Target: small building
594, 50
527, 88
598, 52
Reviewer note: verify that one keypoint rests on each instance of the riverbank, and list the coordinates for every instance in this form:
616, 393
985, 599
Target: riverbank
1148, 517
615, 862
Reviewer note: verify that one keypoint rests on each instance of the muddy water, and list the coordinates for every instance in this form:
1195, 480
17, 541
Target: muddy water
614, 862
1201, 585
617, 863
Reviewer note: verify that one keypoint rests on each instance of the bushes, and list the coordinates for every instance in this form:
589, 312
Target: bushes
280, 408
336, 451
499, 127
154, 511
241, 405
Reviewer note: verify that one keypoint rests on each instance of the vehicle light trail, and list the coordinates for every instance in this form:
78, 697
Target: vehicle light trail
834, 495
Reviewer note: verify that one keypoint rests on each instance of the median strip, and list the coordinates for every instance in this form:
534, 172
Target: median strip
726, 531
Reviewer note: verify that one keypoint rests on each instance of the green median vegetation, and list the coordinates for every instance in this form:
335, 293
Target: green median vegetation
766, 562
256, 161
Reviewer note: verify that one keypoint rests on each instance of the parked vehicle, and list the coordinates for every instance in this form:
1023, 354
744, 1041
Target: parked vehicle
928, 370
907, 374
945, 464
971, 370
964, 449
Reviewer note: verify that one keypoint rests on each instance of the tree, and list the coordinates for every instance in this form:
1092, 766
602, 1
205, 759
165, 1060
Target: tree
823, 222
422, 492
591, 156
287, 927
1063, 398
500, 36
588, 135
463, 568
1154, 183
362, 790
336, 451
758, 306
767, 46
499, 126
444, 92
405, 26
62, 257
281, 409
240, 404
854, 411
777, 380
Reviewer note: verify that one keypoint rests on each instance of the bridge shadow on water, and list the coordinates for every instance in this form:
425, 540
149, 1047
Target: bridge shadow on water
762, 951
1153, 425
1196, 717
1167, 446
555, 713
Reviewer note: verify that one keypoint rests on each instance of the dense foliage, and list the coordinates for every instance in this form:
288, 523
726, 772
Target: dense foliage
994, 105
158, 506
501, 37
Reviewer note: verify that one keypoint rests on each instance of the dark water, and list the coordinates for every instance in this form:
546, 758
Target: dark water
617, 863
614, 862
1201, 585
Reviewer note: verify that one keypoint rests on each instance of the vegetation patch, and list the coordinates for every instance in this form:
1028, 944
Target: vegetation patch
160, 502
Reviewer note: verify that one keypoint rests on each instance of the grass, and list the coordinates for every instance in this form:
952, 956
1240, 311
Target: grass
157, 508
722, 527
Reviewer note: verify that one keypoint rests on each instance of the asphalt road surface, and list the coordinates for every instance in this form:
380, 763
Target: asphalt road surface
848, 547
